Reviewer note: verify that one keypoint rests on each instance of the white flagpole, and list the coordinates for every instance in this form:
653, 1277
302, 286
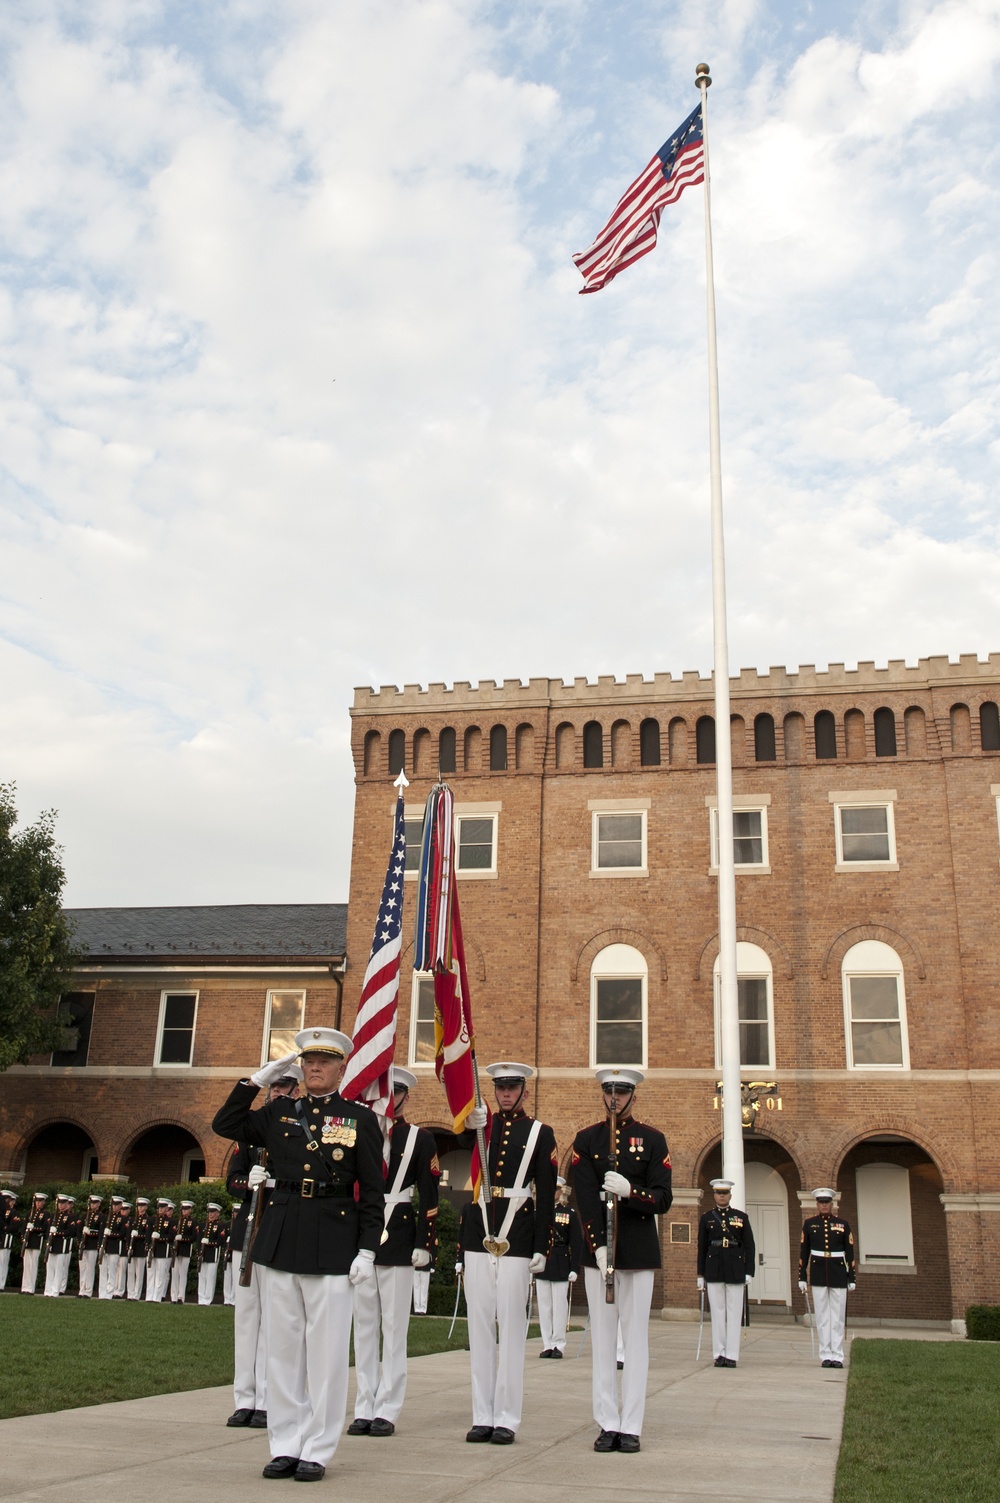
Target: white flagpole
729, 1019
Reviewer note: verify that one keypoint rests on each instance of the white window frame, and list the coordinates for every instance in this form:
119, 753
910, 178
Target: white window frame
600, 806
192, 1153
743, 803
631, 970
752, 964
411, 1048
175, 991
995, 790
861, 799
271, 993
412, 816
478, 811
904, 1260
874, 961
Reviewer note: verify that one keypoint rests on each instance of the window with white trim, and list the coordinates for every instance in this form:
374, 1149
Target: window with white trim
175, 1029
754, 984
874, 1008
421, 1051
283, 1018
476, 843
885, 1222
619, 841
865, 830
750, 849
618, 993
995, 790
413, 828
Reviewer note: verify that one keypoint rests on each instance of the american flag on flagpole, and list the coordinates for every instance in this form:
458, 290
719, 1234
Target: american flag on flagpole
630, 233
368, 1076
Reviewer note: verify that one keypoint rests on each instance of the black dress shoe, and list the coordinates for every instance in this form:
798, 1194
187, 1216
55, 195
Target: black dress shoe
729, 1362
309, 1471
547, 1353
826, 1362
281, 1466
836, 1364
607, 1441
479, 1433
629, 1443
240, 1417
359, 1427
556, 1353
382, 1427
258, 1420
720, 1362
502, 1436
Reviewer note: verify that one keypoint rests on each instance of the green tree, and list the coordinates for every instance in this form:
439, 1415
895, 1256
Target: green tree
37, 955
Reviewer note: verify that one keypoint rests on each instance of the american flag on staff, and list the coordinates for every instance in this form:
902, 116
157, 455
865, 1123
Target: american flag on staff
630, 233
368, 1076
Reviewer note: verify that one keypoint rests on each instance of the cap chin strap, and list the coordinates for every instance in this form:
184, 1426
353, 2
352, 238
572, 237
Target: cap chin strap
625, 1101
520, 1098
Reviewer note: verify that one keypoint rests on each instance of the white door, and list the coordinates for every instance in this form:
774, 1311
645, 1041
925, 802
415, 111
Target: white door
767, 1207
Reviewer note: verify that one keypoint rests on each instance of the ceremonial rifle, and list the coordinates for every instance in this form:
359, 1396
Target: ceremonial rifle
253, 1222
611, 1210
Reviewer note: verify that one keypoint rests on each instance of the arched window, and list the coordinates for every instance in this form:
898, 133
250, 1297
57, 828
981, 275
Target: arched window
885, 733
677, 741
854, 735
961, 728
618, 987
373, 752
473, 748
565, 745
764, 748
825, 731
621, 743
447, 749
397, 752
915, 731
498, 749
524, 747
874, 1008
793, 729
422, 766
989, 726
704, 740
649, 743
593, 744
754, 987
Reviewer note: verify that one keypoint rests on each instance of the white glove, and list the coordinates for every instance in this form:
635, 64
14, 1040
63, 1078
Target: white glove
156, 1237
802, 1286
537, 1264
131, 1234
571, 1278
749, 1278
601, 1256
363, 1267
276, 1070
458, 1267
204, 1243
616, 1184
476, 1118
851, 1288
257, 1176
420, 1257
701, 1283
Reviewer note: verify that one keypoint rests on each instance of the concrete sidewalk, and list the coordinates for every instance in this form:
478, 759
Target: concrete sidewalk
774, 1423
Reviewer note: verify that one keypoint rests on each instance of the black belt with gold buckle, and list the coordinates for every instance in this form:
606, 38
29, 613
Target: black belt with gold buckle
310, 1190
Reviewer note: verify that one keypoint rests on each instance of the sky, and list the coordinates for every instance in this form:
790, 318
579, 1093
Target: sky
297, 392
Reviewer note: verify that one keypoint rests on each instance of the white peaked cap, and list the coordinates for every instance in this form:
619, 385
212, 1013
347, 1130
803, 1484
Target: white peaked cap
402, 1080
721, 1184
824, 1193
323, 1041
213, 1206
506, 1069
619, 1076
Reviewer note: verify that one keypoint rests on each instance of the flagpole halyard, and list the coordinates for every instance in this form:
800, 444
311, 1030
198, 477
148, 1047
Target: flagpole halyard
729, 1016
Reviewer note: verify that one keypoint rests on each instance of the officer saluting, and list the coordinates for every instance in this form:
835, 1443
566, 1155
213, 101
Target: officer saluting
318, 1235
630, 1162
726, 1262
562, 1267
826, 1263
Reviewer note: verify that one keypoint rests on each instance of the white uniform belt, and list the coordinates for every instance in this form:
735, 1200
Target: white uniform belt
815, 1254
500, 1194
396, 1200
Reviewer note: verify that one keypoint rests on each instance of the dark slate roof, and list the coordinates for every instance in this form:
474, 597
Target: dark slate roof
257, 932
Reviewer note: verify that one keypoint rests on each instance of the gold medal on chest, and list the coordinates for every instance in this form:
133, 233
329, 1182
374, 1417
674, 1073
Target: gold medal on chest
338, 1154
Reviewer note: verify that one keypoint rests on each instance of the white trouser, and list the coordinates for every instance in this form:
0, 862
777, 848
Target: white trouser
383, 1300
29, 1270
157, 1279
830, 1306
207, 1275
136, 1277
56, 1273
4, 1266
87, 1270
496, 1295
308, 1350
726, 1304
228, 1292
553, 1313
179, 1278
633, 1297
421, 1288
109, 1280
249, 1340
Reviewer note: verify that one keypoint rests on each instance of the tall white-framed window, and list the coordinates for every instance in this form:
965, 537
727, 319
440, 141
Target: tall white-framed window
413, 823
476, 827
995, 790
865, 830
618, 837
175, 1028
618, 1012
754, 984
885, 1222
750, 848
421, 1049
874, 1008
284, 1015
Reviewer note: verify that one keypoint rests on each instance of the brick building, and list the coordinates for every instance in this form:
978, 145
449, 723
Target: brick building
171, 1007
868, 894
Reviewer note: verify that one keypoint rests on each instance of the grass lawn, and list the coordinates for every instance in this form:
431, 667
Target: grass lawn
922, 1423
67, 1353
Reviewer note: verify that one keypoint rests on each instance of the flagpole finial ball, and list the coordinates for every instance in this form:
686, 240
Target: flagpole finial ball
702, 75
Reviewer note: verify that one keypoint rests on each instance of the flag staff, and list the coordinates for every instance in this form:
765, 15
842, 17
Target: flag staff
729, 1017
